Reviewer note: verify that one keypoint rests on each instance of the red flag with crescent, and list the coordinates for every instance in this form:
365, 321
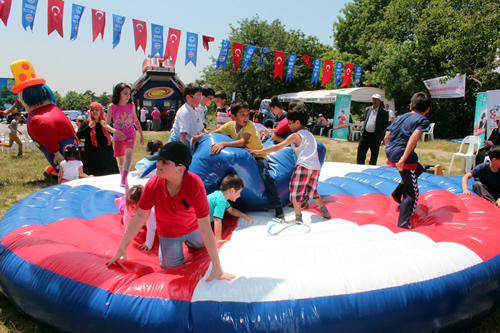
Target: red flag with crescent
327, 72
172, 44
347, 76
140, 34
278, 64
55, 16
206, 40
5, 10
237, 47
308, 61
98, 23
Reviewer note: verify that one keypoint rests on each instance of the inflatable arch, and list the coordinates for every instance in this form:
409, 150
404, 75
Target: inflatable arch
355, 272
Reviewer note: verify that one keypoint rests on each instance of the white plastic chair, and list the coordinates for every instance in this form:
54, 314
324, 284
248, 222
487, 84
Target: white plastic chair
430, 133
469, 158
355, 131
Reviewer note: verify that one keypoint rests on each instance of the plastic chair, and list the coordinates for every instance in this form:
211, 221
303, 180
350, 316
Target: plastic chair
355, 131
470, 156
430, 133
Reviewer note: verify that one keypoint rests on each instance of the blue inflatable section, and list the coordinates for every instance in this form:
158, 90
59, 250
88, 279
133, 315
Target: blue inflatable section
213, 168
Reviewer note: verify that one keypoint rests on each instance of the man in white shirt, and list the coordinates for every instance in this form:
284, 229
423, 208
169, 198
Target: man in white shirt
392, 117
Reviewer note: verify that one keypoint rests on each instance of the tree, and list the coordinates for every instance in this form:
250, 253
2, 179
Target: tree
7, 96
403, 42
257, 82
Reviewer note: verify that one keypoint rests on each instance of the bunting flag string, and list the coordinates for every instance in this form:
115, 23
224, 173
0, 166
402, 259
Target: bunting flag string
156, 40
338, 73
327, 72
248, 56
98, 24
76, 15
55, 15
172, 47
237, 47
278, 64
191, 48
347, 76
5, 10
291, 63
117, 28
29, 12
140, 34
206, 40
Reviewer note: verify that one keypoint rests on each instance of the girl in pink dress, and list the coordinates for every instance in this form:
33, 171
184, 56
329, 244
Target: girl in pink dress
122, 111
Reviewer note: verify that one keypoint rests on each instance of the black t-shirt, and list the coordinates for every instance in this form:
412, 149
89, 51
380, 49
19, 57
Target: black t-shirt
483, 173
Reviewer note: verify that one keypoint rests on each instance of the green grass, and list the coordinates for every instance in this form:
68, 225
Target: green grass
23, 176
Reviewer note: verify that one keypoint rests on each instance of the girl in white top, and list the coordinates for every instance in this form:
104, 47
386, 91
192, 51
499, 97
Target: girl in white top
71, 168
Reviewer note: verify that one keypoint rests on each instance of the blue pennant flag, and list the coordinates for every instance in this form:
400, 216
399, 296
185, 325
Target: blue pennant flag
357, 76
248, 56
262, 54
76, 15
156, 40
117, 28
222, 59
191, 47
316, 69
29, 12
291, 63
338, 72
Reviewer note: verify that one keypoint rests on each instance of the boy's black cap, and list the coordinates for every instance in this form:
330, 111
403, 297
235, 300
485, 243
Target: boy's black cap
176, 152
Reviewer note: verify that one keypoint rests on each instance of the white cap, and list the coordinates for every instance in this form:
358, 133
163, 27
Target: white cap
320, 115
376, 96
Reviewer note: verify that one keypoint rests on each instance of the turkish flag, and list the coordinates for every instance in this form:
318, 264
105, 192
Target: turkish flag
172, 45
207, 40
5, 10
237, 47
98, 23
140, 34
55, 16
327, 72
308, 61
347, 76
279, 57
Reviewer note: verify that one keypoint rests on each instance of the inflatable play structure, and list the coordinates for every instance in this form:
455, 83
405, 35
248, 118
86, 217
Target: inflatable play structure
356, 272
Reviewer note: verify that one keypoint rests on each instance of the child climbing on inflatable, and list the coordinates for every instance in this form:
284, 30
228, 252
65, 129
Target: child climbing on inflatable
230, 189
304, 181
244, 134
71, 168
182, 213
400, 142
153, 147
128, 206
122, 111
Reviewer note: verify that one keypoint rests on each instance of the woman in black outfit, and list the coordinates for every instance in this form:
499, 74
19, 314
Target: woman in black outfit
492, 141
98, 159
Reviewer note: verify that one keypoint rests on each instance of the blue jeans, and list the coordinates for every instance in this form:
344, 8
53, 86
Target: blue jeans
272, 191
171, 253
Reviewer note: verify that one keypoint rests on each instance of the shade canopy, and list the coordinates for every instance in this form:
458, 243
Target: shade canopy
363, 94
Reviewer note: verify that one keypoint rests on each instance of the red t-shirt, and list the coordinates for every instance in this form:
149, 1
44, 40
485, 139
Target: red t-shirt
176, 216
282, 127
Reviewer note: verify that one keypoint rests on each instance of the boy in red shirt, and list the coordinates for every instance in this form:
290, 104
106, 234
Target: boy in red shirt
181, 211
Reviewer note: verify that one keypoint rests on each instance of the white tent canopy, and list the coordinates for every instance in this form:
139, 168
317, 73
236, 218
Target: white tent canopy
363, 94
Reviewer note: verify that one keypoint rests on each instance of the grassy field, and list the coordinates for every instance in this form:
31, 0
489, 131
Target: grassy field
20, 177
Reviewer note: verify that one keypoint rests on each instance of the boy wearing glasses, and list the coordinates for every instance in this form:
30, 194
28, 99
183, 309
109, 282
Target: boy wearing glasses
187, 123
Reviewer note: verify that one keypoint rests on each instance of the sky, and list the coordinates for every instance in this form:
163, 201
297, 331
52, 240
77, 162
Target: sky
82, 65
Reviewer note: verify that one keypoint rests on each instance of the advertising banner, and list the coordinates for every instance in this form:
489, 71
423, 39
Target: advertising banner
341, 118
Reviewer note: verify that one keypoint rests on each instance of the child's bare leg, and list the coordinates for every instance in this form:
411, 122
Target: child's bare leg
121, 162
298, 212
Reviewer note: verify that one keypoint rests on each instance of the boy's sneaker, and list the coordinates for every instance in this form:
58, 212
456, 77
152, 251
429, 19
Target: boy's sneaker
298, 218
279, 213
324, 211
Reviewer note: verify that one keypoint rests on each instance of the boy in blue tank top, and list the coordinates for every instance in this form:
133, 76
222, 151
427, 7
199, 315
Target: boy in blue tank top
400, 142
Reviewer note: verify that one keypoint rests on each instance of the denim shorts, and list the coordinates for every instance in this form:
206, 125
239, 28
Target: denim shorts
171, 252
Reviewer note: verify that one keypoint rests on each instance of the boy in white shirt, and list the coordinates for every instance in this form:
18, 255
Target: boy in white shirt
304, 181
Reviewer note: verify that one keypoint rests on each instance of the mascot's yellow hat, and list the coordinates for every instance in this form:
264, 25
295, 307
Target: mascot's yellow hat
25, 75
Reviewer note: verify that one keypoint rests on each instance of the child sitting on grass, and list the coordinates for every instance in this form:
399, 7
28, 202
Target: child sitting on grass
128, 205
230, 189
304, 181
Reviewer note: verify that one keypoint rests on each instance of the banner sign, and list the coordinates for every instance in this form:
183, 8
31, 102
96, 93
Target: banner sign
308, 61
206, 40
262, 54
117, 28
453, 88
140, 34
55, 15
291, 62
98, 23
248, 56
172, 47
481, 118
191, 48
327, 73
222, 58
29, 12
357, 76
341, 118
493, 110
316, 69
156, 40
237, 47
278, 64
76, 15
5, 10
338, 72
347, 76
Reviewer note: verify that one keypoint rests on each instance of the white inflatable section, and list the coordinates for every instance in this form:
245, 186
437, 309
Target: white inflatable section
336, 257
